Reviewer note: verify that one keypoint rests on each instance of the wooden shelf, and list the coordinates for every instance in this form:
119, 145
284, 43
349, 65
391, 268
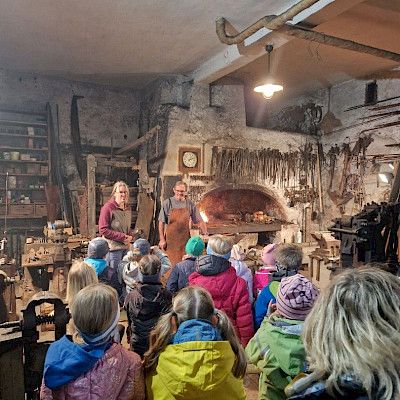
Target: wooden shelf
24, 161
20, 189
15, 174
27, 124
23, 148
23, 136
22, 217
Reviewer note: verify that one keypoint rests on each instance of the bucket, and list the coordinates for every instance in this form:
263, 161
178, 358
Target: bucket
14, 155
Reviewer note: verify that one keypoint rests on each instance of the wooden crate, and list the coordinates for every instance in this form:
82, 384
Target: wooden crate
33, 169
21, 209
40, 210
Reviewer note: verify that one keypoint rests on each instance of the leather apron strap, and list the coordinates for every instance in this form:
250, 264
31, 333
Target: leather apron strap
177, 234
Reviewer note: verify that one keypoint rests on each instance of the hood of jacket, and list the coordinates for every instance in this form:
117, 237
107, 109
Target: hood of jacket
349, 385
282, 337
130, 274
190, 370
196, 330
211, 265
66, 361
99, 264
241, 268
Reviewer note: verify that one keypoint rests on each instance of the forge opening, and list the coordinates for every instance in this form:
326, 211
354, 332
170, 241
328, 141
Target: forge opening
245, 209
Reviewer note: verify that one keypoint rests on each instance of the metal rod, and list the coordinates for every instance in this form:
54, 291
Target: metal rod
6, 211
271, 22
320, 152
313, 36
340, 230
278, 23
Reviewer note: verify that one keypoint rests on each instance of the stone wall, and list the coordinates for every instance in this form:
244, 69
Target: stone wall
107, 115
216, 117
207, 116
345, 120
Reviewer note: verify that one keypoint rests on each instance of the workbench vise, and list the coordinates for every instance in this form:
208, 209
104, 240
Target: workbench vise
58, 232
369, 236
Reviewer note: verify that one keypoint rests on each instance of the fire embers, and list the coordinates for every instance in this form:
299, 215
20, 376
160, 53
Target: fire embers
261, 218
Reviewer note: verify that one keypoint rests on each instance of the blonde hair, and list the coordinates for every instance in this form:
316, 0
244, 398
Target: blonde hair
94, 308
79, 276
193, 302
220, 244
354, 328
150, 265
117, 185
289, 256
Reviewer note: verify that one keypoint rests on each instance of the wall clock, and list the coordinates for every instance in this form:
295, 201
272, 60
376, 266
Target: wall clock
189, 159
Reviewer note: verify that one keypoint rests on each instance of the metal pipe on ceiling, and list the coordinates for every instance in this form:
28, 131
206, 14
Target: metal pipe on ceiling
271, 22
306, 34
278, 24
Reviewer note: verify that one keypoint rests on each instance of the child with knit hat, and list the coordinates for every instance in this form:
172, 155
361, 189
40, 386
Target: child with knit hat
96, 258
179, 277
128, 268
145, 303
287, 260
263, 275
277, 348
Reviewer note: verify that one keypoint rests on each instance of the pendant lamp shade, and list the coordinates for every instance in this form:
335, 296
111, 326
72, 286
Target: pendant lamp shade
269, 87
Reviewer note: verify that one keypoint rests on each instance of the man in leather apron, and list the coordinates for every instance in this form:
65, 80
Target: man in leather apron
174, 223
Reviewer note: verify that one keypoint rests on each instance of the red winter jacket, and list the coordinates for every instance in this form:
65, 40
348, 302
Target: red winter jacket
228, 291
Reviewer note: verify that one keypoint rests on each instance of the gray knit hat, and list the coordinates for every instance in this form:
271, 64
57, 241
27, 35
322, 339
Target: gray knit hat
142, 245
98, 248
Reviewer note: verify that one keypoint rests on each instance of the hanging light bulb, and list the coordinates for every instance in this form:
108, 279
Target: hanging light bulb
386, 177
269, 88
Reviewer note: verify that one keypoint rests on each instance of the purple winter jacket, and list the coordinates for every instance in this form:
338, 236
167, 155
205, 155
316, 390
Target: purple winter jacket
116, 376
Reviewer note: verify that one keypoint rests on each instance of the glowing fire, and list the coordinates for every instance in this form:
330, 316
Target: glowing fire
203, 216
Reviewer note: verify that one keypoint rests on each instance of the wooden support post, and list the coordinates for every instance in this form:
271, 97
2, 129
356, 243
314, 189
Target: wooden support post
138, 142
318, 273
91, 191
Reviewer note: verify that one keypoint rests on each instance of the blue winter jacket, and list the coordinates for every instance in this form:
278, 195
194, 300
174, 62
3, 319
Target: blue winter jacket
179, 277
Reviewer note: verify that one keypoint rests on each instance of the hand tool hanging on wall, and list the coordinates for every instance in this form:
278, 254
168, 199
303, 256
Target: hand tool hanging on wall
76, 138
320, 155
341, 197
269, 164
54, 199
332, 155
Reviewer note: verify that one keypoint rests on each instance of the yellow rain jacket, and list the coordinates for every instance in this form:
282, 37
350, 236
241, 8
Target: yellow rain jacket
195, 370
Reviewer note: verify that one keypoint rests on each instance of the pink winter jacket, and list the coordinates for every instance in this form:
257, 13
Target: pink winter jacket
116, 376
229, 293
